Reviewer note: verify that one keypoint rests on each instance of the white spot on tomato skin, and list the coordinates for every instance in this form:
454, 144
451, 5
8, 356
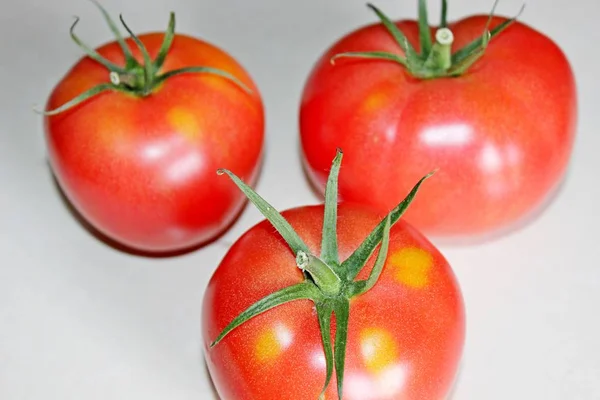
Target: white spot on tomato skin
391, 381
494, 158
184, 168
447, 135
490, 158
173, 159
284, 335
514, 154
317, 359
387, 384
358, 387
503, 166
154, 152
368, 348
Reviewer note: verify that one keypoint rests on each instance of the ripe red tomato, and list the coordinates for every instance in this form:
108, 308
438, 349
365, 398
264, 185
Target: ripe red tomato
138, 160
403, 337
499, 126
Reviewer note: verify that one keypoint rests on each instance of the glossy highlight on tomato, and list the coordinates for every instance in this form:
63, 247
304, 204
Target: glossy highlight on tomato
138, 159
499, 127
402, 338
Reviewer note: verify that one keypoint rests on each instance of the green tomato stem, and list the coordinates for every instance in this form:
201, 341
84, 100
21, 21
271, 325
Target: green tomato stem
134, 78
323, 275
129, 79
434, 60
329, 285
440, 56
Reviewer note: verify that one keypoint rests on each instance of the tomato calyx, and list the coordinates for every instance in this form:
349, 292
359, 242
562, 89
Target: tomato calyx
436, 59
135, 78
322, 274
328, 283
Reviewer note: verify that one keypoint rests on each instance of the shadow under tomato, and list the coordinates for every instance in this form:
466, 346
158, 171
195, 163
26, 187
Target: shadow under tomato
466, 241
213, 389
452, 392
108, 241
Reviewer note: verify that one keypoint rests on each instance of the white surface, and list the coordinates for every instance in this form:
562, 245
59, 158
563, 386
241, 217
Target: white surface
80, 320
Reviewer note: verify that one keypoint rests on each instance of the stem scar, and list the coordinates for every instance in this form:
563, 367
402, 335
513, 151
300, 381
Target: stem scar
114, 78
302, 260
444, 36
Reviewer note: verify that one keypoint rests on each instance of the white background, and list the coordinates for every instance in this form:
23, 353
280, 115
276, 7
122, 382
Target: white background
81, 320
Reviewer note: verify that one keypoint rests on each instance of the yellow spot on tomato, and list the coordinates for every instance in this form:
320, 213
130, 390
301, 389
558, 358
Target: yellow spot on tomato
412, 266
216, 82
185, 122
271, 343
375, 101
378, 349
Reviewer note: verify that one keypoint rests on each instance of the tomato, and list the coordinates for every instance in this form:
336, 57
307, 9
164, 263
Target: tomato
401, 339
497, 119
137, 159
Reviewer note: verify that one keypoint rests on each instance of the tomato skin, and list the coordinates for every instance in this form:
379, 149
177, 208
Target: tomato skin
501, 135
405, 336
142, 170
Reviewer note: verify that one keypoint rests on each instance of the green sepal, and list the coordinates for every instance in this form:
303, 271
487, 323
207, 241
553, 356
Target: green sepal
166, 44
359, 287
148, 66
91, 53
466, 63
412, 58
330, 292
353, 264
424, 31
444, 14
435, 59
324, 312
480, 44
302, 291
275, 218
130, 61
204, 70
341, 310
88, 94
329, 245
134, 78
377, 55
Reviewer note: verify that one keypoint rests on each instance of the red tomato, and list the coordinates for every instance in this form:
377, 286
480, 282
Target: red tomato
501, 133
404, 336
141, 168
